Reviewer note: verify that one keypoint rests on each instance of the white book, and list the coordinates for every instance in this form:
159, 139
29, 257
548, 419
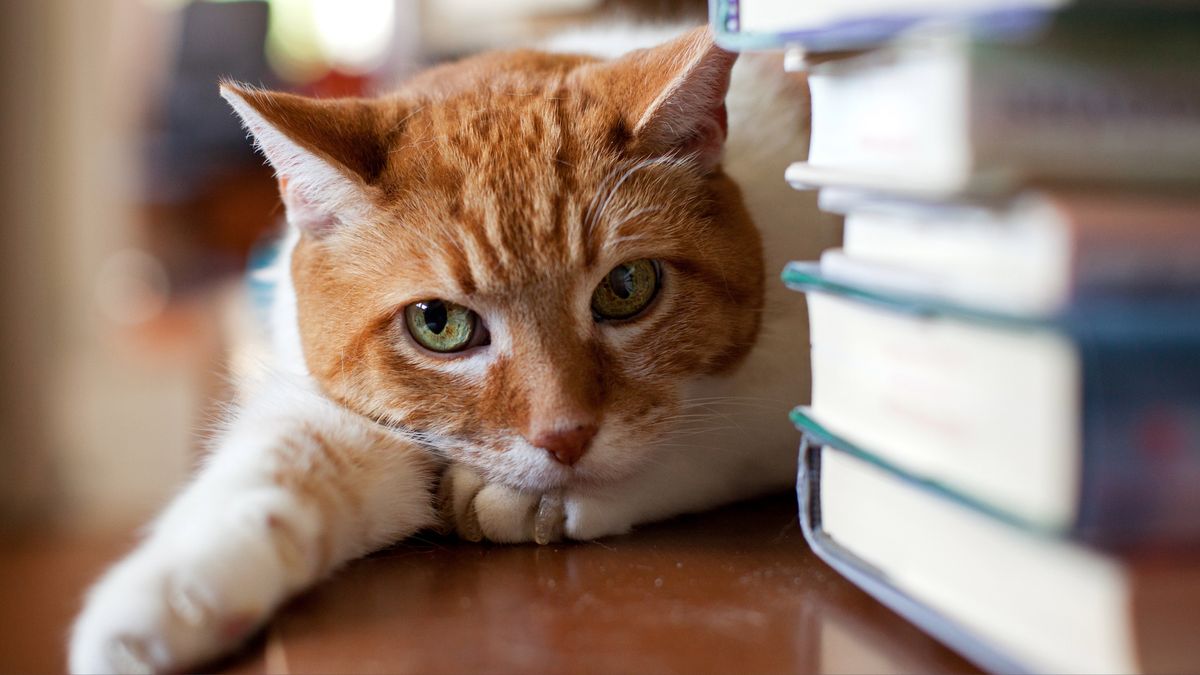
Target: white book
1007, 597
1033, 255
992, 413
947, 115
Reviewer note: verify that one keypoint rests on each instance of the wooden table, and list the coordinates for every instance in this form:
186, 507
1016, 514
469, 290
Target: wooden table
733, 591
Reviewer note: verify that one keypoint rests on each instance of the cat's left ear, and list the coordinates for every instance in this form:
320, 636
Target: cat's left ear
675, 96
327, 153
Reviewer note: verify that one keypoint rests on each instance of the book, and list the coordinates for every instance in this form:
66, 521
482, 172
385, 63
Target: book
947, 115
836, 25
1034, 254
1085, 425
1008, 599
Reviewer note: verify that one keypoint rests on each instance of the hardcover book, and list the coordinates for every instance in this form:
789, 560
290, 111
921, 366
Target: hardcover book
835, 25
1085, 101
1085, 424
1034, 254
1011, 600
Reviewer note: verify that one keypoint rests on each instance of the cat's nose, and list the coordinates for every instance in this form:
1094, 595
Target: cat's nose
566, 446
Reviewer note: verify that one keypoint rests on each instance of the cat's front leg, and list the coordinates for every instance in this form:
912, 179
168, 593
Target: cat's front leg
295, 487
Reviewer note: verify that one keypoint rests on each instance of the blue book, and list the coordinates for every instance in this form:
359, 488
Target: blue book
829, 25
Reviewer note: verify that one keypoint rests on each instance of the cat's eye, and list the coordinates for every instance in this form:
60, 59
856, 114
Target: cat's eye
626, 290
444, 327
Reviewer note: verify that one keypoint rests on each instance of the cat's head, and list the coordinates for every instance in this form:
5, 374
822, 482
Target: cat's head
521, 257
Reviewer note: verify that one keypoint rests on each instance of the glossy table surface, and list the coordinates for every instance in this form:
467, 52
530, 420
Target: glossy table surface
732, 591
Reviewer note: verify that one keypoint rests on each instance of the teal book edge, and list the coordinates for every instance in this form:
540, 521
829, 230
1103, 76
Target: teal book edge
802, 417
724, 18
876, 584
1172, 316
807, 276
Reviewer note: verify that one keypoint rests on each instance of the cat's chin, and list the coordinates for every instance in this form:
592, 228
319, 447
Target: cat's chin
545, 479
526, 468
551, 477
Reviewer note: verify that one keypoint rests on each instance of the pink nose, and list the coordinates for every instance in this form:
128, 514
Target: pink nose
566, 446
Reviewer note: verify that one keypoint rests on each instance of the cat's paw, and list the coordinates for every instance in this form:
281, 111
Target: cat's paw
477, 510
173, 605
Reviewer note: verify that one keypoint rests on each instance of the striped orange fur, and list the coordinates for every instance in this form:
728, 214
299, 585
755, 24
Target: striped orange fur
511, 184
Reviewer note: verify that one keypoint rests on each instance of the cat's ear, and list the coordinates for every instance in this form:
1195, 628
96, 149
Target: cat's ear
675, 96
327, 153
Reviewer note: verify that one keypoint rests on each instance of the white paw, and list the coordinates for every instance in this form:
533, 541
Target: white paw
181, 600
478, 511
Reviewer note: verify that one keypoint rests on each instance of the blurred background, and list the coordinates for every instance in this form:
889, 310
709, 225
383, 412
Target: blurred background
132, 201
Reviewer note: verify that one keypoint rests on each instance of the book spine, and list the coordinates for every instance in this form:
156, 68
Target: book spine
1061, 115
1141, 472
993, 116
1108, 95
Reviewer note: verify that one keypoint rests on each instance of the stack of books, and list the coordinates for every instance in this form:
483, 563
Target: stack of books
1003, 442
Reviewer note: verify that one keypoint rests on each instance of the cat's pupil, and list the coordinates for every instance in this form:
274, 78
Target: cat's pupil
435, 316
621, 281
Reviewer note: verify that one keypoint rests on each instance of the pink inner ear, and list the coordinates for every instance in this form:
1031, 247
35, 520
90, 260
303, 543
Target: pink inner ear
690, 117
705, 139
303, 213
710, 137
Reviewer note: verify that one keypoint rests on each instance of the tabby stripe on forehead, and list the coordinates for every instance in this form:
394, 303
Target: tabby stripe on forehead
565, 157
479, 249
460, 269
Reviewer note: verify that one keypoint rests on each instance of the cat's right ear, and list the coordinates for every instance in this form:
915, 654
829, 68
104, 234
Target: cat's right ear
327, 153
673, 96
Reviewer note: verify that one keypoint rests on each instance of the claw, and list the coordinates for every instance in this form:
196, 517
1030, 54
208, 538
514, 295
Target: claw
468, 523
549, 522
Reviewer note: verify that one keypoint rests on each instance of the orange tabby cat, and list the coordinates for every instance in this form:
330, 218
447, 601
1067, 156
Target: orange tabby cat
529, 274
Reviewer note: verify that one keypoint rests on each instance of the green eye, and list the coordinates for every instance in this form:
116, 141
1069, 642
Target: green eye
626, 290
444, 327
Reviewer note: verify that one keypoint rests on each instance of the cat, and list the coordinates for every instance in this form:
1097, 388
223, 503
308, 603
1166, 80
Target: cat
523, 298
